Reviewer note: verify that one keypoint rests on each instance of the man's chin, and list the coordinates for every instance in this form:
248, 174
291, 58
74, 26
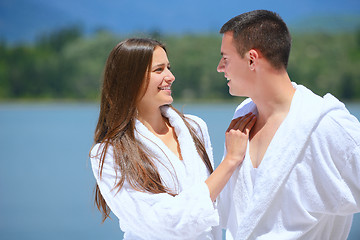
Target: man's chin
235, 94
232, 93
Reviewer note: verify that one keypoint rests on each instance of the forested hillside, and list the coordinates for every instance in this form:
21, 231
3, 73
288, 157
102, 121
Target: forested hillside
66, 64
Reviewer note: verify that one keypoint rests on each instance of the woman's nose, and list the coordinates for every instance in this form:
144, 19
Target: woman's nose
169, 77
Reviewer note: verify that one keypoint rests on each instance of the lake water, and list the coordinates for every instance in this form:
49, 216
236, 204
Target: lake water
46, 183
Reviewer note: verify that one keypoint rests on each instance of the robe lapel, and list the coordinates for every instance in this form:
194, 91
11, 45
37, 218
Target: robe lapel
193, 163
188, 170
283, 152
165, 160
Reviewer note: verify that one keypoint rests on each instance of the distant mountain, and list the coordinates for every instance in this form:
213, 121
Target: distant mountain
25, 20
327, 23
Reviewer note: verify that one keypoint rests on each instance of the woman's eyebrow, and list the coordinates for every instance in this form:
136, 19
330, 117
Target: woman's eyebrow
160, 65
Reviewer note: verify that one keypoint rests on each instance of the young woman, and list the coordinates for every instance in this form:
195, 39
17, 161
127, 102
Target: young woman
153, 165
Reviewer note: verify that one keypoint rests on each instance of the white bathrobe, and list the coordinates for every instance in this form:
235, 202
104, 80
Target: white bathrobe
190, 214
308, 183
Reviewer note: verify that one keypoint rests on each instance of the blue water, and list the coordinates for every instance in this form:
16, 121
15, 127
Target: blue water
46, 183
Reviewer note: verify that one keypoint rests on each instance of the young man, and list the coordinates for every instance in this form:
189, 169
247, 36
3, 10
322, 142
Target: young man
300, 178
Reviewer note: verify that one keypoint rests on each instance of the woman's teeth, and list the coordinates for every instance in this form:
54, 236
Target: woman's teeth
164, 88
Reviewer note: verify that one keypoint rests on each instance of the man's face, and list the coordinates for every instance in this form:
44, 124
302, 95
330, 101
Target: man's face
234, 67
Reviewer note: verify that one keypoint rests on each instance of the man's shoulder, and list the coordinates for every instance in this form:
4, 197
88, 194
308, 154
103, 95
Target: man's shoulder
342, 123
337, 127
245, 107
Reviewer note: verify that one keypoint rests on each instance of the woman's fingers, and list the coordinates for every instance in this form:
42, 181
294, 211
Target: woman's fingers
244, 123
237, 121
250, 125
236, 137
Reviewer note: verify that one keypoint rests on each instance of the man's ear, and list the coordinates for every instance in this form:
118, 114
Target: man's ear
253, 56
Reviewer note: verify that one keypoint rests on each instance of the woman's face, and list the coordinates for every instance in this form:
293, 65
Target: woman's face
158, 92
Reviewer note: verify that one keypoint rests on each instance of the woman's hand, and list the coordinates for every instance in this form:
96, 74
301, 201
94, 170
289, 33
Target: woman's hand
236, 138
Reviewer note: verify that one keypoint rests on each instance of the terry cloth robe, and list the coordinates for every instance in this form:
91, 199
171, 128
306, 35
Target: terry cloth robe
190, 214
308, 183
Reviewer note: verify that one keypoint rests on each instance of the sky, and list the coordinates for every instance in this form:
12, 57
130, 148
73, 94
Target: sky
25, 18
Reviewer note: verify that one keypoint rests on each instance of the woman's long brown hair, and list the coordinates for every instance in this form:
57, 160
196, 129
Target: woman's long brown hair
126, 74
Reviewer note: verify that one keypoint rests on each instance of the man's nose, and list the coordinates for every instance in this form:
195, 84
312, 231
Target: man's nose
220, 67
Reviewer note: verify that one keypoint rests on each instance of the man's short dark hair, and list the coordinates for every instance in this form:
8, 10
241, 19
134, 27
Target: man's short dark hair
264, 31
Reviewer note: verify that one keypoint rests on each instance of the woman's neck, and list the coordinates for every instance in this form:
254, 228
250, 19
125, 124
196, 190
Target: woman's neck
154, 121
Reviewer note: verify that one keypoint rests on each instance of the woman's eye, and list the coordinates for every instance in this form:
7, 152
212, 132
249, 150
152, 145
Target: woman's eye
158, 70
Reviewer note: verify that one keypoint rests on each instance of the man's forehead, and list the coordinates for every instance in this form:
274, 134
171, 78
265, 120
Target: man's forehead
227, 43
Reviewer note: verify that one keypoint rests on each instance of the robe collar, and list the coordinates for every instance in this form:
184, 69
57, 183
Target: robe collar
284, 151
182, 172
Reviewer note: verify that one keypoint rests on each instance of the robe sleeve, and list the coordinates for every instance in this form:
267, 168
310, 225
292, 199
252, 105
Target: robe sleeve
154, 216
350, 201
345, 152
337, 178
203, 132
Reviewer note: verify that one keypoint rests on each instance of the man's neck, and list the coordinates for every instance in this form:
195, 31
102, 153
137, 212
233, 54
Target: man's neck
273, 96
273, 104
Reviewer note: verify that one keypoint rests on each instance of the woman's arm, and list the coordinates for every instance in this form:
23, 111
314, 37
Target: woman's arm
157, 216
236, 138
189, 213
